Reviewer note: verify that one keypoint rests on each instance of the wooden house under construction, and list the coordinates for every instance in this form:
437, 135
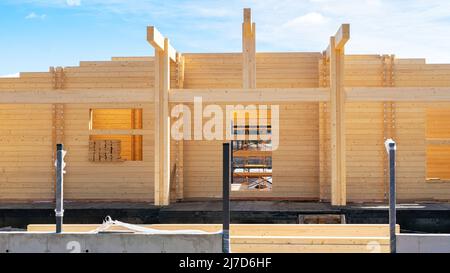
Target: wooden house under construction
334, 112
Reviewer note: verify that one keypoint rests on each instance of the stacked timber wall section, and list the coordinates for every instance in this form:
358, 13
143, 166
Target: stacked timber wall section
335, 111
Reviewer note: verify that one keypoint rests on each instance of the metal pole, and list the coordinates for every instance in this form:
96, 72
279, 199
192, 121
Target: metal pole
59, 211
226, 197
391, 149
231, 162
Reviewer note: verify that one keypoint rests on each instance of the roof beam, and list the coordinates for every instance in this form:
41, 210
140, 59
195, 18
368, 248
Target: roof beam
156, 39
342, 36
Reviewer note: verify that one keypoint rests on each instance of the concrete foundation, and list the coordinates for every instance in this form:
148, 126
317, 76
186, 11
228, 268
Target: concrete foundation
26, 242
415, 217
423, 243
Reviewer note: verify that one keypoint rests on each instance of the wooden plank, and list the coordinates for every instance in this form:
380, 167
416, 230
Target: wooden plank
324, 248
120, 132
406, 94
331, 230
259, 95
77, 96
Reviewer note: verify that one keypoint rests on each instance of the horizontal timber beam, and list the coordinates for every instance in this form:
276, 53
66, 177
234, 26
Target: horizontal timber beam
249, 95
77, 96
418, 94
99, 132
242, 95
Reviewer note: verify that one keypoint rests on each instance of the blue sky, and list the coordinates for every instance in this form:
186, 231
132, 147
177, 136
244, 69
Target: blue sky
36, 34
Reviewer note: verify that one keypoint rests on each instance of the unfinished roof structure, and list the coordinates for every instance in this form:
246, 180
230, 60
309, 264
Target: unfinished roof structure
335, 112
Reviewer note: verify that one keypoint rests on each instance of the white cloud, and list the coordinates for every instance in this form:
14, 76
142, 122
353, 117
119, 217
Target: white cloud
312, 18
15, 75
408, 29
73, 2
33, 15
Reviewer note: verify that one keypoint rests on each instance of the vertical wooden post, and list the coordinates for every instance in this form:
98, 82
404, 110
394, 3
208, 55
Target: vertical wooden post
57, 115
248, 51
164, 53
162, 123
335, 53
324, 132
388, 114
180, 144
337, 103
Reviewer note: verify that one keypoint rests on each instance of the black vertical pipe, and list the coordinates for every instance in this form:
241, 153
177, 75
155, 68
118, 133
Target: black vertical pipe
231, 162
59, 210
226, 197
392, 198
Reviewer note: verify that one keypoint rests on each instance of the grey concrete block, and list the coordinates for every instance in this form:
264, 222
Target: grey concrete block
195, 243
108, 242
3, 244
66, 243
423, 243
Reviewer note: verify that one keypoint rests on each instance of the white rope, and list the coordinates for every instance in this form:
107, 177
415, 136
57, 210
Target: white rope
108, 222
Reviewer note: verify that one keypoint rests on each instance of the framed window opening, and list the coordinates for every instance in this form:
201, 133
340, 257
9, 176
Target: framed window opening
115, 135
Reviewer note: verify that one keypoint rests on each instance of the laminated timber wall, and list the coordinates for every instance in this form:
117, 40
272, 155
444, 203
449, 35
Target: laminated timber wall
121, 181
368, 124
302, 165
26, 152
26, 137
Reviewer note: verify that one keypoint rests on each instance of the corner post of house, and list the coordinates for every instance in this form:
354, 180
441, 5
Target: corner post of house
164, 53
336, 54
